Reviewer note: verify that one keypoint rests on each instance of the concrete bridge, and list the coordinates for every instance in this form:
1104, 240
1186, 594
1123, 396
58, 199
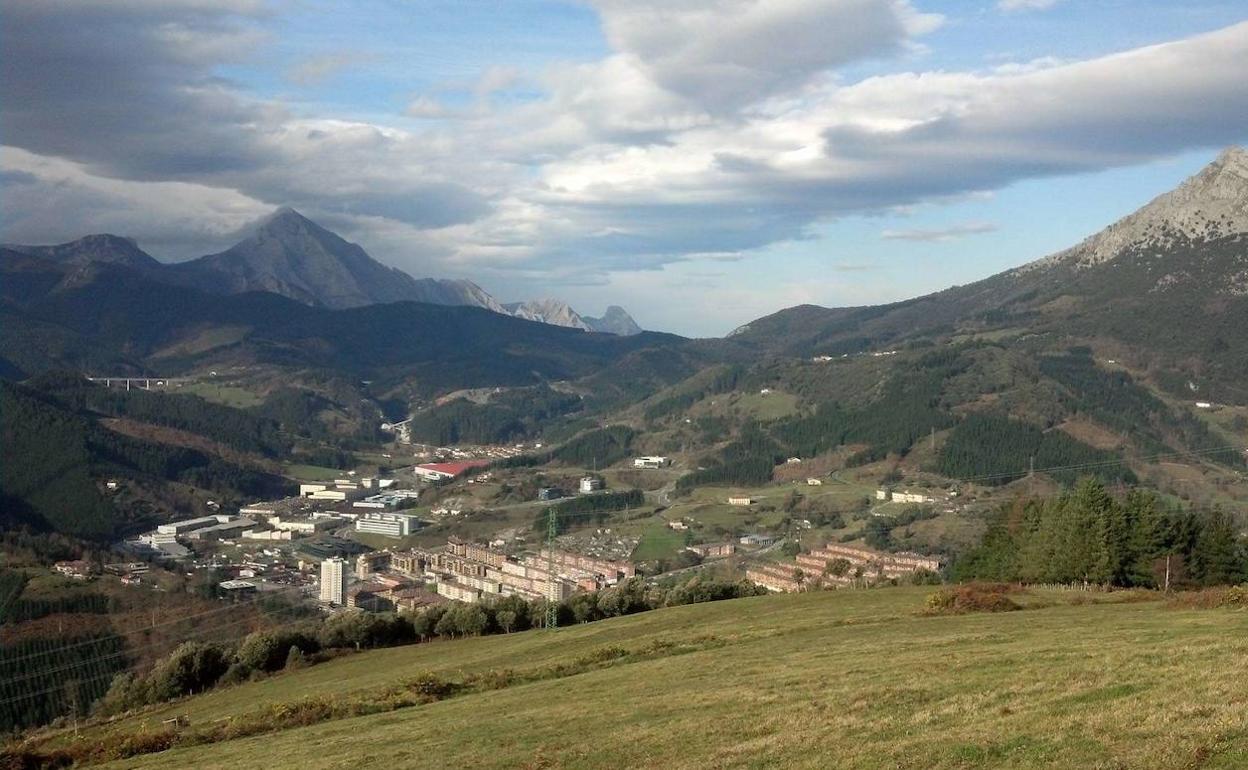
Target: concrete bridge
144, 383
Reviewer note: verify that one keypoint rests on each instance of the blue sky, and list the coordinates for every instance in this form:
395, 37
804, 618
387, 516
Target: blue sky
699, 166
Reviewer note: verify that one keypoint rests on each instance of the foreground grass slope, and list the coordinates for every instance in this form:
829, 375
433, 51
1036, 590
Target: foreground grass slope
849, 679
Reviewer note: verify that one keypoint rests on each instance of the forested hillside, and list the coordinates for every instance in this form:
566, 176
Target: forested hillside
54, 461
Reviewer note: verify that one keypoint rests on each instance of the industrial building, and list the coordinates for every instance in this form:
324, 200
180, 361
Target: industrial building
229, 529
434, 472
385, 500
389, 524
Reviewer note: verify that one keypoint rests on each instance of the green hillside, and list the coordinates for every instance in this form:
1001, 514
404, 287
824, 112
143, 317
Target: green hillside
846, 679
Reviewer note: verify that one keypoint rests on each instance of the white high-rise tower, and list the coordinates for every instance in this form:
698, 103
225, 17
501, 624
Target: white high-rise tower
334, 581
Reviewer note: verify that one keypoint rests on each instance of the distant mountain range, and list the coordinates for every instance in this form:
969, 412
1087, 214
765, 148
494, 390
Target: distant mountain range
290, 255
1164, 289
558, 313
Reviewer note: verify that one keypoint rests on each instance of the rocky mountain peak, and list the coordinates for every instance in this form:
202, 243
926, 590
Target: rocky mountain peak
1210, 204
101, 248
550, 311
615, 320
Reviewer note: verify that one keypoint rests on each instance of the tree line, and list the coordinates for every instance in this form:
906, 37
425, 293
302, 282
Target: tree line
236, 428
195, 667
597, 448
1088, 535
52, 459
995, 449
595, 506
508, 416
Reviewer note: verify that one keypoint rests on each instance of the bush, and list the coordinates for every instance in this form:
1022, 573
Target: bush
972, 597
1212, 598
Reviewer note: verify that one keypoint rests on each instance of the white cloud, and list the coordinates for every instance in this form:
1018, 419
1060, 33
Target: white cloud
940, 234
1014, 6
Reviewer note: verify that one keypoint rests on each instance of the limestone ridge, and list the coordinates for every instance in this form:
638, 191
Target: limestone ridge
1210, 205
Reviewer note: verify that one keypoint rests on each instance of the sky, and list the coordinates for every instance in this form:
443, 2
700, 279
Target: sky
699, 163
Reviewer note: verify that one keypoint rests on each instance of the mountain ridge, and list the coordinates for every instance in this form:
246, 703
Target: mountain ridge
292, 256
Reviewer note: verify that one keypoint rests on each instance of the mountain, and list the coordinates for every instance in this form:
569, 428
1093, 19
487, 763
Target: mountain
121, 320
548, 311
1169, 283
1208, 206
558, 313
109, 249
290, 255
615, 321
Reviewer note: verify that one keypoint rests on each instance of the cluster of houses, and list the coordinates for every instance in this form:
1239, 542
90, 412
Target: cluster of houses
839, 565
465, 572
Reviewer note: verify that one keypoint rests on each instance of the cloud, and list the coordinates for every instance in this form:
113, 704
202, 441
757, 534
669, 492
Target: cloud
139, 80
317, 69
940, 235
706, 132
732, 53
1014, 6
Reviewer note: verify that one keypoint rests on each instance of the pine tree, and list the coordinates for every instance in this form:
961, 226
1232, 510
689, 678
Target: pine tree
1217, 558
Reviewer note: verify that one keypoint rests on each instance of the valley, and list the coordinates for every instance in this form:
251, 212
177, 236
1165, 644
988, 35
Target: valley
361, 489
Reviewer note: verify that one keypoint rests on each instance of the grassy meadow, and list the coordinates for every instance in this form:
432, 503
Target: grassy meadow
850, 679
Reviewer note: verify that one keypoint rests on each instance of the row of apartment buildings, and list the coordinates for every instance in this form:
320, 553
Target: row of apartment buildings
838, 565
471, 572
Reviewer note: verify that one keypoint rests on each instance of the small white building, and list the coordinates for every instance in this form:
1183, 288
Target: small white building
813, 482
590, 484
650, 462
740, 501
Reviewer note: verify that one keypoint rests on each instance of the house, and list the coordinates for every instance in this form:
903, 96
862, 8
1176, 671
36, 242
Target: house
758, 539
909, 497
590, 484
77, 569
793, 461
650, 462
740, 501
549, 493
679, 526
812, 482
708, 550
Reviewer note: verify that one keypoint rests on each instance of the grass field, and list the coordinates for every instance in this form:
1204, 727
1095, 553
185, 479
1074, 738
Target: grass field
840, 679
313, 472
229, 395
658, 541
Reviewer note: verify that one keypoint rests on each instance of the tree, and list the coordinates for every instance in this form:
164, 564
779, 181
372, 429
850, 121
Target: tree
838, 567
1217, 558
506, 620
295, 658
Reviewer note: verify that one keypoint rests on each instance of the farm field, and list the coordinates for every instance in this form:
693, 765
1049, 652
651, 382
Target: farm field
853, 679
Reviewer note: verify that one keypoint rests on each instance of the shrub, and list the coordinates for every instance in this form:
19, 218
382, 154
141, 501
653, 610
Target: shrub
431, 686
1212, 598
972, 597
